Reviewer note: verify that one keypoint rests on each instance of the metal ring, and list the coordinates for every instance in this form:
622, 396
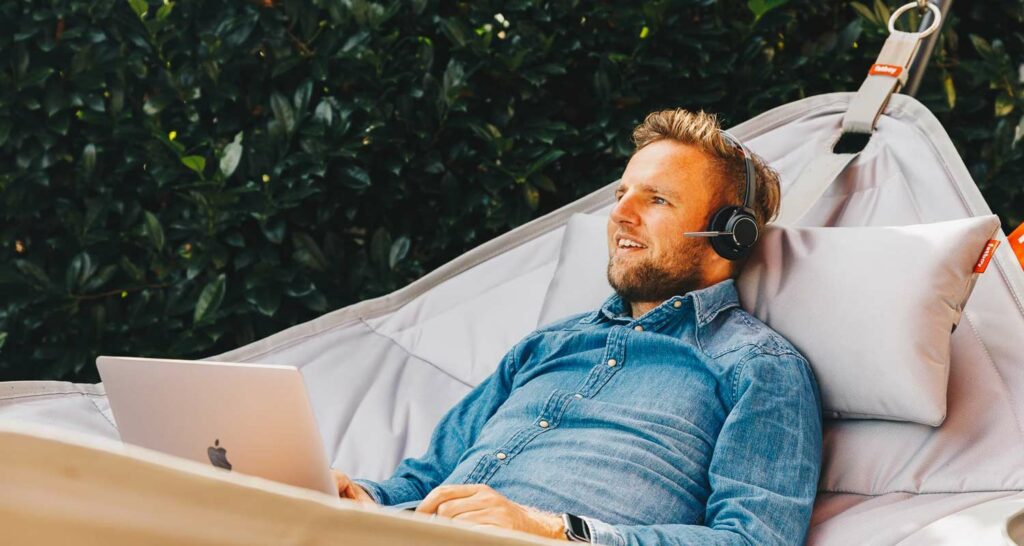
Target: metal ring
936, 17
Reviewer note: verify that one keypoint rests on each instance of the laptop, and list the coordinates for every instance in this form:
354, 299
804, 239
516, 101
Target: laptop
250, 418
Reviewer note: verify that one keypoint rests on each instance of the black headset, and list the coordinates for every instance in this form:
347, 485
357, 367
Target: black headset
733, 230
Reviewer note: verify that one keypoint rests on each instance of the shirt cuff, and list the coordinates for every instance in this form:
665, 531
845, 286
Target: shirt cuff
373, 489
603, 533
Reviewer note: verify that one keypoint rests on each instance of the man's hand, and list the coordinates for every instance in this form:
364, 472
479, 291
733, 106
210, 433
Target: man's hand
479, 504
347, 489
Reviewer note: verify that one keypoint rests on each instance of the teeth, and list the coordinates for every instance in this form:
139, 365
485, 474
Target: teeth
629, 243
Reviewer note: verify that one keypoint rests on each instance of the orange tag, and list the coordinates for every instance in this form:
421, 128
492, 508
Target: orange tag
986, 256
885, 70
1017, 243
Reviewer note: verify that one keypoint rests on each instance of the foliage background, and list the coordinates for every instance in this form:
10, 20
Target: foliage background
178, 179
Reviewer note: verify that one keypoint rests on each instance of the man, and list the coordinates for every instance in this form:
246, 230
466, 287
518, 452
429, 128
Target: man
669, 415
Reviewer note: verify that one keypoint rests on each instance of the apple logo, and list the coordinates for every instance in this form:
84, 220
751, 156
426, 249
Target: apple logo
218, 455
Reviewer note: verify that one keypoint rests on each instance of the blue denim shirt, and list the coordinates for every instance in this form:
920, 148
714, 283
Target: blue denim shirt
693, 424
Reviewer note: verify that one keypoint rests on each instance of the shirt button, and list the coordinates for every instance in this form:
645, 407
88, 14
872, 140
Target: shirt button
638, 328
501, 456
543, 424
578, 396
612, 362
677, 304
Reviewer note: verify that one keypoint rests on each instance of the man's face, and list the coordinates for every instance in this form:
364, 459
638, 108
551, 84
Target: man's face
667, 189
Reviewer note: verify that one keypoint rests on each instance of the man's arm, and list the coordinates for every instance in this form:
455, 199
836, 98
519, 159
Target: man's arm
764, 471
457, 430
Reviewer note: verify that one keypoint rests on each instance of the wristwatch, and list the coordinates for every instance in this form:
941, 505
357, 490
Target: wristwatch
576, 528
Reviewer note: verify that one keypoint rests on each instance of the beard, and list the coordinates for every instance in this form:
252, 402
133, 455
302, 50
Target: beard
647, 280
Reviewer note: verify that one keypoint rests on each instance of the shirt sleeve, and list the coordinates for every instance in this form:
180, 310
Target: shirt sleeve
764, 470
456, 432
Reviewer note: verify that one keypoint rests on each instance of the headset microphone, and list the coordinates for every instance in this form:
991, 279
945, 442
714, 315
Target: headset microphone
705, 233
733, 230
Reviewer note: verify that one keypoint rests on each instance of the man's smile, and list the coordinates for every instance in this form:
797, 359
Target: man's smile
628, 245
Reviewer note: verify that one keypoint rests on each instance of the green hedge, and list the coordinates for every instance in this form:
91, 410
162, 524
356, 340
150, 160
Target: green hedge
181, 178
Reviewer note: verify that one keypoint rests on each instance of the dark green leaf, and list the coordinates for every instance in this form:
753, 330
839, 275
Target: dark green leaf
195, 162
307, 252
131, 269
760, 7
88, 159
302, 94
79, 270
37, 76
232, 155
323, 113
34, 272
154, 231
273, 229
210, 299
315, 301
399, 249
164, 11
865, 12
356, 178
266, 299
981, 45
100, 279
283, 112
540, 163
140, 7
1004, 105
532, 196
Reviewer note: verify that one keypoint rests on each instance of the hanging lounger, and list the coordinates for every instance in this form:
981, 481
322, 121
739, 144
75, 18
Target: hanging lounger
381, 373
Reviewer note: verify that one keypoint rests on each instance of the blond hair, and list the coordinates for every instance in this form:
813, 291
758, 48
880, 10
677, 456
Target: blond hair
703, 131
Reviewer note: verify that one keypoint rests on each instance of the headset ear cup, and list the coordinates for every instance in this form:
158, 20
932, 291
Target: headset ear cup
744, 230
725, 245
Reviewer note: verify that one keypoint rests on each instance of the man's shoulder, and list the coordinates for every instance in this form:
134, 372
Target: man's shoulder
740, 335
754, 353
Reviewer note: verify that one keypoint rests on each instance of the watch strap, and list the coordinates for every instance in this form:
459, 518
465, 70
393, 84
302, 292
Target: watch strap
576, 528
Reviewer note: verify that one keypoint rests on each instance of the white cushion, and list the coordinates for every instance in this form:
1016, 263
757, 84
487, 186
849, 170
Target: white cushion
872, 308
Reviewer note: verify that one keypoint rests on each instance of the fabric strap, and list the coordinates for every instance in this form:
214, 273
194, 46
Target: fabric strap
872, 97
886, 76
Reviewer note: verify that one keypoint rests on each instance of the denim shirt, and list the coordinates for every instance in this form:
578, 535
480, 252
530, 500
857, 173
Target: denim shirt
693, 424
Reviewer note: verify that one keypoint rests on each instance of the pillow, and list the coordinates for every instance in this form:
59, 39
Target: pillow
872, 309
861, 303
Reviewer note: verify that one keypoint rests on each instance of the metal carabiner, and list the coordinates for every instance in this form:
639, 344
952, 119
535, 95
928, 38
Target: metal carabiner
936, 19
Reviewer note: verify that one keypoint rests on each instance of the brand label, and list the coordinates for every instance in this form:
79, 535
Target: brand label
885, 70
986, 256
1017, 243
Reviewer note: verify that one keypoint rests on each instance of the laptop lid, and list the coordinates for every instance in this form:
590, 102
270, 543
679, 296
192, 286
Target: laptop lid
250, 418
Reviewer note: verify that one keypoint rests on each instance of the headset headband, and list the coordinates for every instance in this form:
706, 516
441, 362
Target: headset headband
749, 194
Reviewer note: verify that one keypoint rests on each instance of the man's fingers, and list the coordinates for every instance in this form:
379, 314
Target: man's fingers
472, 516
452, 508
341, 480
444, 493
348, 489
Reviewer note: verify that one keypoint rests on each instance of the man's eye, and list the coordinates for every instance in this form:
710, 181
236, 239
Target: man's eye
660, 201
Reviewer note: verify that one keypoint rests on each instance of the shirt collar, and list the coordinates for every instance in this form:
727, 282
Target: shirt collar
708, 302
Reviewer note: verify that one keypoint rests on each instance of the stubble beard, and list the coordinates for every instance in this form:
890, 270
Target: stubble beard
649, 281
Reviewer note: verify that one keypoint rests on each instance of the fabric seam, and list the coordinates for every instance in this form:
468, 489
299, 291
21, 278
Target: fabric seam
414, 355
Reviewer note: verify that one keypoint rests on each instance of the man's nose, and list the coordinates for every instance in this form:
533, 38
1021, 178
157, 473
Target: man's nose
624, 210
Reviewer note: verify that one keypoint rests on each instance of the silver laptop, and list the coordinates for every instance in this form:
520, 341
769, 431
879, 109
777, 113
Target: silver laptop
250, 418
